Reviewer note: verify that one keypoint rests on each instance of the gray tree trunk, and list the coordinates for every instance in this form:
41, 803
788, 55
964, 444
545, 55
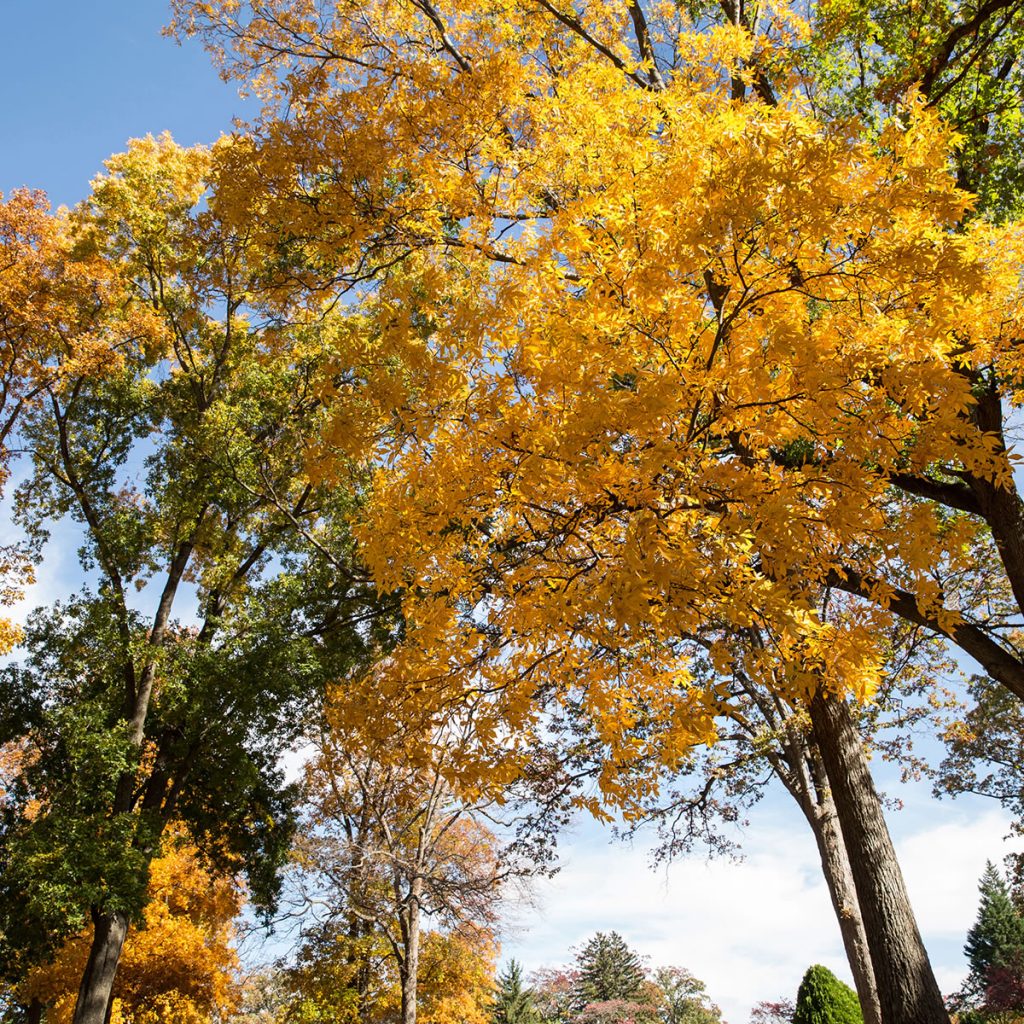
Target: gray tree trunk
412, 952
839, 878
96, 992
907, 990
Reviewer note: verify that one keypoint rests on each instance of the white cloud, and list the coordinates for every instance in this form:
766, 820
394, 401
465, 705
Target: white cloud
751, 929
942, 865
56, 576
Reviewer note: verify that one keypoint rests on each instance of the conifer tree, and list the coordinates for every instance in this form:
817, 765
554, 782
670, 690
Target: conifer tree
823, 999
996, 938
609, 969
513, 1002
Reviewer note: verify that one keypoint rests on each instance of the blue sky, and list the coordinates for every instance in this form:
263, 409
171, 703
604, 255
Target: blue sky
81, 78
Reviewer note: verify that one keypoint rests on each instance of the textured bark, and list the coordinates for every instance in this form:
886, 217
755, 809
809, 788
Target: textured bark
839, 878
800, 769
797, 764
411, 929
96, 993
907, 990
1001, 507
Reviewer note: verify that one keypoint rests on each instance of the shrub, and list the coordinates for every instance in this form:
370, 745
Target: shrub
824, 999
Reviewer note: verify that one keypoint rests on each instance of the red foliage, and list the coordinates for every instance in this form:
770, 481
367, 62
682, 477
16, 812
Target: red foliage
780, 1012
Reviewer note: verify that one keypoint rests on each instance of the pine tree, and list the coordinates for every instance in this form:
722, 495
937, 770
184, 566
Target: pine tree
823, 999
608, 969
997, 936
513, 1003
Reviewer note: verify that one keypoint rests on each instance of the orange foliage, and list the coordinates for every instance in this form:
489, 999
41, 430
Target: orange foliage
677, 349
64, 312
456, 976
177, 968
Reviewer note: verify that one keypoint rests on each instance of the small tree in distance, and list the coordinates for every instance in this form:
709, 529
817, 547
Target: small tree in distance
778, 1012
997, 935
823, 999
608, 970
682, 998
513, 1001
554, 989
995, 952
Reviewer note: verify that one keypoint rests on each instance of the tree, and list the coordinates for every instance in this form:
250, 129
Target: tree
750, 354
513, 1001
179, 967
617, 1011
607, 969
779, 1012
683, 998
554, 989
291, 52
457, 976
62, 313
388, 840
984, 751
994, 947
263, 999
824, 999
182, 467
337, 980
763, 738
609, 985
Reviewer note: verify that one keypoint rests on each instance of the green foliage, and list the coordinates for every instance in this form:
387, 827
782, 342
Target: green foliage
222, 594
996, 939
608, 969
864, 55
682, 998
823, 999
513, 1001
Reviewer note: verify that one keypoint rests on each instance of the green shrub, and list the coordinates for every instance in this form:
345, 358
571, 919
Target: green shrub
824, 999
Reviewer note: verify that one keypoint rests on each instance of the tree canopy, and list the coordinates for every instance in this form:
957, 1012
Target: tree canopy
522, 364
681, 357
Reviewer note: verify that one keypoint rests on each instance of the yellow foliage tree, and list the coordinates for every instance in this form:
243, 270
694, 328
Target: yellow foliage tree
356, 981
64, 312
708, 352
691, 342
178, 967
457, 976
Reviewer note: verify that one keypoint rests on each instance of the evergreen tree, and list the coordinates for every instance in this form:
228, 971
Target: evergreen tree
513, 1003
996, 938
823, 999
608, 969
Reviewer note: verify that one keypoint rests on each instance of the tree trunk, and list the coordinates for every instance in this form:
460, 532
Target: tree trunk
907, 990
96, 993
412, 953
838, 877
34, 1013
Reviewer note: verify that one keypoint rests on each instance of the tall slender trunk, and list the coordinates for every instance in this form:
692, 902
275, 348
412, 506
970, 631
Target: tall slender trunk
798, 766
907, 990
34, 1013
96, 992
835, 866
412, 952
